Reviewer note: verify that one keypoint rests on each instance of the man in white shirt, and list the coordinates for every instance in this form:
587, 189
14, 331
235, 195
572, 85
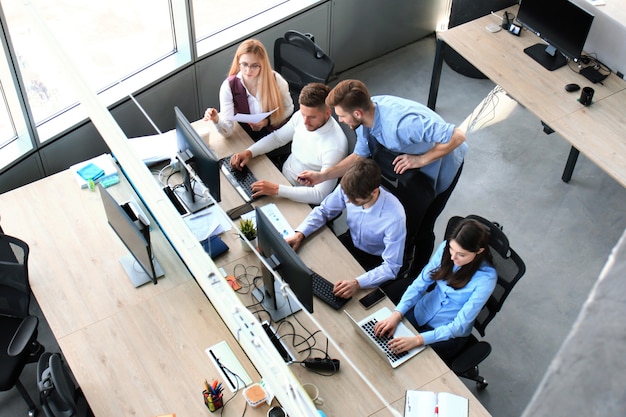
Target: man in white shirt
317, 143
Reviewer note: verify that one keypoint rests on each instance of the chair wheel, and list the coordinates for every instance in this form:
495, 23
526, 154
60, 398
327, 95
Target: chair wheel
482, 385
32, 413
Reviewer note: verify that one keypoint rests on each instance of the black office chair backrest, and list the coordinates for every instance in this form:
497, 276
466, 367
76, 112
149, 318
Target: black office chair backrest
59, 395
14, 286
509, 266
301, 61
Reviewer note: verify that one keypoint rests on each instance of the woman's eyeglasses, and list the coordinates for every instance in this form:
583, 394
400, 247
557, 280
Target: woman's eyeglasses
245, 66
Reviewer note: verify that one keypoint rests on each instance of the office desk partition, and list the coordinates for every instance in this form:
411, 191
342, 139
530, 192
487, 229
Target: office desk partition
141, 351
500, 56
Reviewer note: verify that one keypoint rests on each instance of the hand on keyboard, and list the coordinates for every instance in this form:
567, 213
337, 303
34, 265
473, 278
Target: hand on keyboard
241, 159
263, 187
346, 288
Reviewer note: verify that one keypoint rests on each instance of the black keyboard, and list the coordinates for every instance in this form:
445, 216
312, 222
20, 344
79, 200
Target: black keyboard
382, 341
241, 180
323, 289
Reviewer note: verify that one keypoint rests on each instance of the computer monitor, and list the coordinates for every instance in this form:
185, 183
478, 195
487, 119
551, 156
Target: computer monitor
133, 228
197, 154
560, 23
281, 257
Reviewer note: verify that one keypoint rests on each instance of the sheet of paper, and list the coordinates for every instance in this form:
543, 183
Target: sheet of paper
155, 148
252, 118
273, 213
208, 222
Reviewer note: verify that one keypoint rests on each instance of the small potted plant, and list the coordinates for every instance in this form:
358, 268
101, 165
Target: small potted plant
248, 230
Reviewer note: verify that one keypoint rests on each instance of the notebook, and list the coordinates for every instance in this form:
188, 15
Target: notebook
365, 328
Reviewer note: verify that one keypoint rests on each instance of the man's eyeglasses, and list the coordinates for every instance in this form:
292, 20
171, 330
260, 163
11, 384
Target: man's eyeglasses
245, 66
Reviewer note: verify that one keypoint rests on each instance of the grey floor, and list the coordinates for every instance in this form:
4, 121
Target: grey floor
564, 232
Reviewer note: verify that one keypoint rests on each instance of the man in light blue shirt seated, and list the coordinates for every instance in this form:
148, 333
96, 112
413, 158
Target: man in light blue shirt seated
376, 226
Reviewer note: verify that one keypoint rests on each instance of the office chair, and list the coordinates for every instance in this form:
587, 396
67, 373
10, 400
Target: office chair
18, 329
510, 269
59, 395
300, 61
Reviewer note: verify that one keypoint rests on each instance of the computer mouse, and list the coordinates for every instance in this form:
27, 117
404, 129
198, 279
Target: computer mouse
572, 87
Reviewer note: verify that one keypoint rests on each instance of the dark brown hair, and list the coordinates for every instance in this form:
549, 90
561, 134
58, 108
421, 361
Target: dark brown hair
472, 236
314, 95
361, 179
350, 95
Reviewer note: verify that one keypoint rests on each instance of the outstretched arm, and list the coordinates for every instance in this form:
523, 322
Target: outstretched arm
311, 177
405, 161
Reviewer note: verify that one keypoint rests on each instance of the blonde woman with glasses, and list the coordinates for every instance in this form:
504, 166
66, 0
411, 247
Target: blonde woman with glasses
252, 87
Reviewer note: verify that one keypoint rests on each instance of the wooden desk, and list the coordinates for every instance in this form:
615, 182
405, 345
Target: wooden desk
326, 255
500, 56
141, 351
133, 351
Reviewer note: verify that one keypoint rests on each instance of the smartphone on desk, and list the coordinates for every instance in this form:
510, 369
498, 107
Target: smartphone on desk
372, 298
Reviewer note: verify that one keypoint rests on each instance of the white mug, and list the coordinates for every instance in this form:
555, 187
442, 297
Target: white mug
314, 393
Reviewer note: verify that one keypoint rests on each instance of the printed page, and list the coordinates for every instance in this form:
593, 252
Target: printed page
420, 404
252, 118
451, 405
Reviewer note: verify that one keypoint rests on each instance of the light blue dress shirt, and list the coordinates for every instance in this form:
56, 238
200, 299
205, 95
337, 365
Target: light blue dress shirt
408, 127
378, 230
451, 313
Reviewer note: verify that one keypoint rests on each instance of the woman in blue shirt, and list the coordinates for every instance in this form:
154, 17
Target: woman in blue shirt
463, 276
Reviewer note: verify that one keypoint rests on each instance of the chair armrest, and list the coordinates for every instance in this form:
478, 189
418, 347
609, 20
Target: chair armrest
23, 335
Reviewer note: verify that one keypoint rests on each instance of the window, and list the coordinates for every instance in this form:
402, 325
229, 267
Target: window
110, 40
14, 138
212, 16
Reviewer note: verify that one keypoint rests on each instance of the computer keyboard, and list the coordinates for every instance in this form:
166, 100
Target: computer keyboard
382, 341
241, 180
323, 289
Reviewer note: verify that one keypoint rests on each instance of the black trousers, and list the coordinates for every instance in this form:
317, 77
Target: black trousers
366, 260
423, 243
447, 349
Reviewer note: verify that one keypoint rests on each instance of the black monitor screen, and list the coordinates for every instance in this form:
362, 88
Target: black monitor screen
132, 233
561, 23
204, 161
291, 268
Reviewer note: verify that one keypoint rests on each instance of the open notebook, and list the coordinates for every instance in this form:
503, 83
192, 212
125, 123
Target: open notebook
365, 328
435, 404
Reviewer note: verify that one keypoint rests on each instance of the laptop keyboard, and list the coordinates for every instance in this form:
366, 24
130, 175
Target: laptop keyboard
382, 341
241, 180
323, 289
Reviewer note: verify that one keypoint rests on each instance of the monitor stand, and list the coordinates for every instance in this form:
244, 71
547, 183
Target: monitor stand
200, 200
547, 55
135, 272
284, 306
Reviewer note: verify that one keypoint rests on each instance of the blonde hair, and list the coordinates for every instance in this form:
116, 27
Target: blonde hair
268, 88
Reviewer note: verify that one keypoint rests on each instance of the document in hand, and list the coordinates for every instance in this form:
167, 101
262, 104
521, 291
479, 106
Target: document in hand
429, 403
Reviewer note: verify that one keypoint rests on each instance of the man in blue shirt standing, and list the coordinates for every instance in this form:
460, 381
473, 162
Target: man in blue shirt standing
420, 156
376, 226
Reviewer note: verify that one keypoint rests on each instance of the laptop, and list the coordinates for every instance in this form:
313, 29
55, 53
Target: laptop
365, 328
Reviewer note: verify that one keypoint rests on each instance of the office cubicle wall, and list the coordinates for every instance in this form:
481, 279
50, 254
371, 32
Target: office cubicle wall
353, 31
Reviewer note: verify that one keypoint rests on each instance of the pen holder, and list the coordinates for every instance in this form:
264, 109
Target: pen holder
213, 402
